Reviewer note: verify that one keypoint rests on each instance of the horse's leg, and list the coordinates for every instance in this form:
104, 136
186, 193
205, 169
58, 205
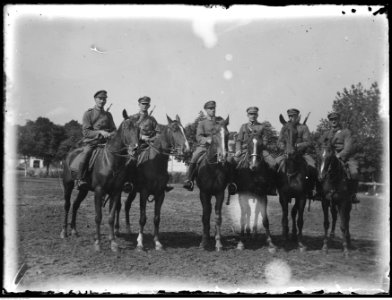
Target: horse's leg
206, 203
98, 217
334, 213
256, 216
68, 187
325, 206
75, 206
159, 197
294, 212
116, 198
300, 220
262, 203
284, 202
143, 218
344, 220
244, 206
218, 219
117, 219
128, 203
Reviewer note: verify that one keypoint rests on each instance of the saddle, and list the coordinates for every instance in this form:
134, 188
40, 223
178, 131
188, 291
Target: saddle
74, 165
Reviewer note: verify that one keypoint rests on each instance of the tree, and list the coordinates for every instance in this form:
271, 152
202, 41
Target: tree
73, 135
40, 139
359, 110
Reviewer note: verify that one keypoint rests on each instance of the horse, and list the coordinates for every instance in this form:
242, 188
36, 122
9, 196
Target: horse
251, 179
151, 176
212, 179
106, 178
291, 183
336, 195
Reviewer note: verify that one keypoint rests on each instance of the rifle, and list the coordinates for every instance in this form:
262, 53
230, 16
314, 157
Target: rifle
109, 107
306, 118
152, 110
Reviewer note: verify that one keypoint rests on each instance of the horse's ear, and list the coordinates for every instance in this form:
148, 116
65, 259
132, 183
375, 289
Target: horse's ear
227, 120
169, 120
125, 114
178, 119
282, 120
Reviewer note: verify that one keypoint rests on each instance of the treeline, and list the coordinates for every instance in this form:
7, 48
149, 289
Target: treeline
358, 106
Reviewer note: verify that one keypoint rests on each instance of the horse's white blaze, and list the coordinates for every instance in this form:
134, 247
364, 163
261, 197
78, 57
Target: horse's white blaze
322, 164
222, 132
254, 151
186, 141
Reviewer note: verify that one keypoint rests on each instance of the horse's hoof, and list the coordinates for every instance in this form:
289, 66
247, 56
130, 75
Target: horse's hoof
302, 249
272, 250
63, 234
203, 246
74, 233
325, 250
117, 232
140, 248
158, 247
240, 246
97, 246
114, 246
346, 253
218, 248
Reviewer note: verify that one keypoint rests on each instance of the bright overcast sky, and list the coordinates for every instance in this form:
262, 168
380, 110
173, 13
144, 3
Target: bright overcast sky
275, 58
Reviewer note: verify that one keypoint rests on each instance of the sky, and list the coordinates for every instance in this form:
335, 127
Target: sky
274, 58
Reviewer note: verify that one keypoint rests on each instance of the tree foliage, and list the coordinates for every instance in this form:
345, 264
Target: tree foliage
73, 134
359, 110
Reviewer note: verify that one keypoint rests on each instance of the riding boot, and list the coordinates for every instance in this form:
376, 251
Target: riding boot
83, 166
188, 184
232, 186
353, 188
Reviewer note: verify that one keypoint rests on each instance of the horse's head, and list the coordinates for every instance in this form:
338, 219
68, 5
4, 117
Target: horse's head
219, 142
255, 149
289, 133
177, 135
329, 163
129, 134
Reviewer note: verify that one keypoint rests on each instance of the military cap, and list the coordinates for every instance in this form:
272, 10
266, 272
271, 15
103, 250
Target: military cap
292, 111
100, 93
210, 104
252, 110
333, 115
144, 100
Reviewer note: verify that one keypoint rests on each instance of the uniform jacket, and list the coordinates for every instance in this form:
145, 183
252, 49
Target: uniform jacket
303, 139
95, 119
245, 132
204, 130
341, 140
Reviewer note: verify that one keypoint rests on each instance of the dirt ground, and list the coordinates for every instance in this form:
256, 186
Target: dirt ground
64, 265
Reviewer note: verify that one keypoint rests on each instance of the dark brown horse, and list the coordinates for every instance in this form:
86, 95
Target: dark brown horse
106, 178
212, 179
336, 195
291, 183
152, 175
251, 179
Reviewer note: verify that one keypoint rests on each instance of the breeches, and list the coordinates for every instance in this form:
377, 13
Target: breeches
197, 153
353, 168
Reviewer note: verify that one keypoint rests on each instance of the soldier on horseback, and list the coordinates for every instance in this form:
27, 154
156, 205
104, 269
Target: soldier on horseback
302, 143
98, 126
203, 137
148, 127
341, 139
243, 136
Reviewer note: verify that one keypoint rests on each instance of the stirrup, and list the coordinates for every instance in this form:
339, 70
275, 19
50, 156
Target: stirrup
232, 188
82, 185
128, 187
168, 188
354, 199
189, 185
